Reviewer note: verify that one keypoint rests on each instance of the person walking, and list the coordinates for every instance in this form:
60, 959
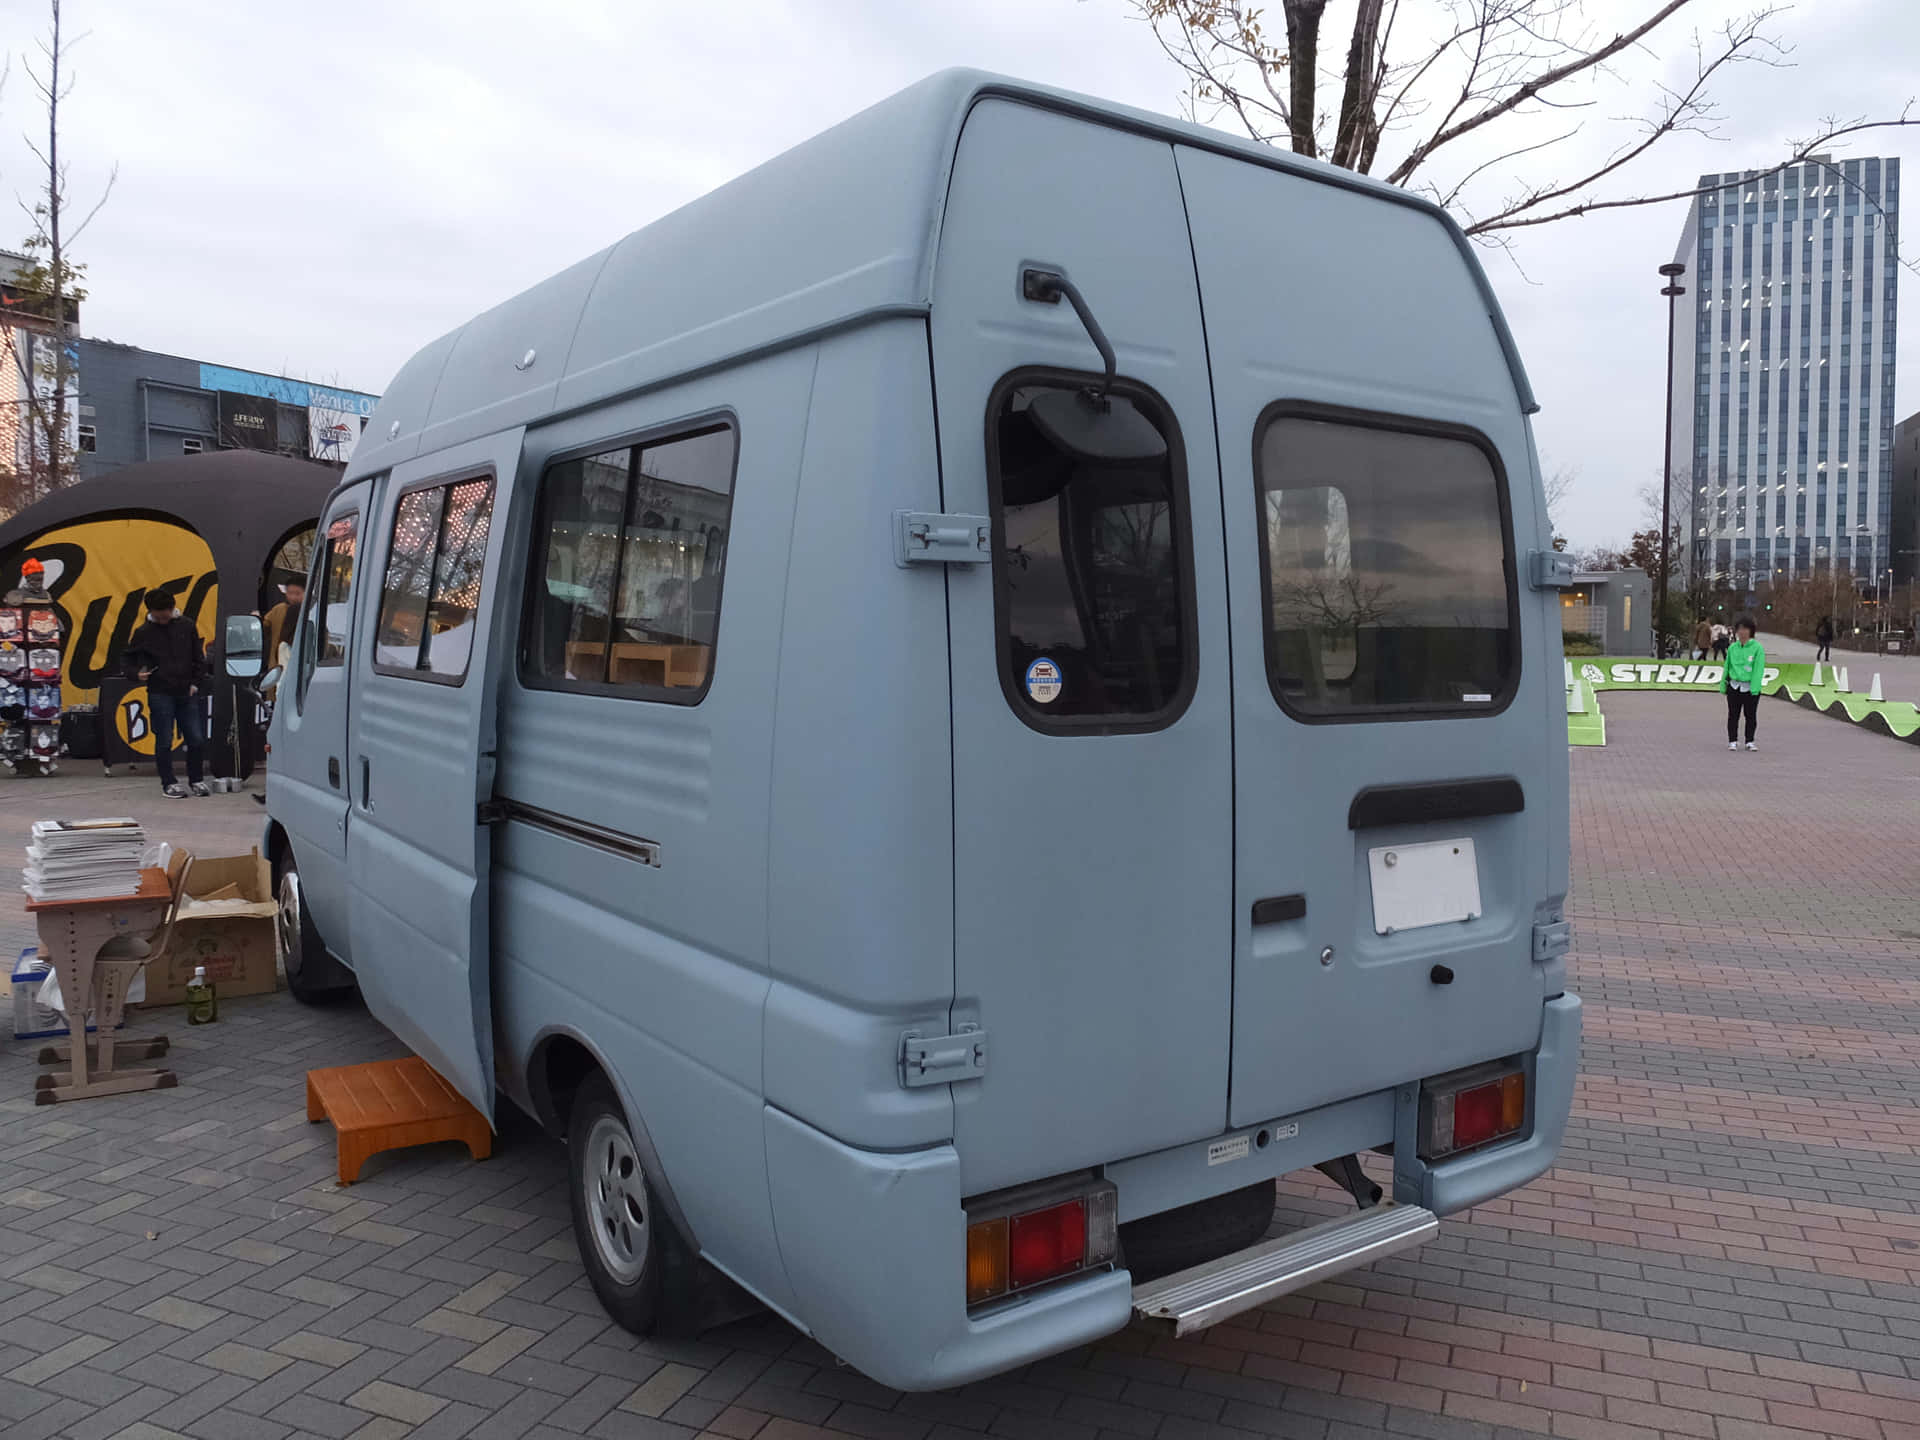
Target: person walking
1719, 641
1746, 668
1702, 639
166, 654
1823, 638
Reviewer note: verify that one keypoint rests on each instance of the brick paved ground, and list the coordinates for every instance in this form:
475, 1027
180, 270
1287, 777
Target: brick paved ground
1730, 1248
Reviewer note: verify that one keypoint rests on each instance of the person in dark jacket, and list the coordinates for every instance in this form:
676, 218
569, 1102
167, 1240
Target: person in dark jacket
165, 653
1823, 637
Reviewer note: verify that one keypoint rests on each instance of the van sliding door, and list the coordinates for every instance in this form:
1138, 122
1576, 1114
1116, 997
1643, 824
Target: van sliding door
420, 753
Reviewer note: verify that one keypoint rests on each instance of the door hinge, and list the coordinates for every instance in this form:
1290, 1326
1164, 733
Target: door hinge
941, 1059
1550, 942
1550, 569
920, 538
490, 812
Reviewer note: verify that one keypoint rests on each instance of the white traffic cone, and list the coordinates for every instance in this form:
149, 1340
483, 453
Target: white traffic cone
1816, 672
1569, 665
1874, 694
1840, 678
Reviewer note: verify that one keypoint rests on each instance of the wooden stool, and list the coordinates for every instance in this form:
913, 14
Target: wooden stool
389, 1105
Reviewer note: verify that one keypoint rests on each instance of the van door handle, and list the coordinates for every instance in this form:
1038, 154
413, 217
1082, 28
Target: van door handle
366, 783
1277, 908
333, 771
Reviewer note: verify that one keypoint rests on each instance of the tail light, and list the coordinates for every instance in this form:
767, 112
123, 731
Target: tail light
1017, 1239
1471, 1108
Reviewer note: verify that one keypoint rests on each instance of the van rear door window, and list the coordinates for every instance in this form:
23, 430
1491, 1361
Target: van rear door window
435, 566
630, 554
1386, 568
1092, 572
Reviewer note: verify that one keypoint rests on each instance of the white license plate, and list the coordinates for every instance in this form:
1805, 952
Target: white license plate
1433, 883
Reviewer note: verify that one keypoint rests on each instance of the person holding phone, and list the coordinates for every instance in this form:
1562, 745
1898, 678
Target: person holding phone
167, 655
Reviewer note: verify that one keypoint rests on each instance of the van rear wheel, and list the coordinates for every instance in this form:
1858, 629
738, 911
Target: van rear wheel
615, 1221
1157, 1245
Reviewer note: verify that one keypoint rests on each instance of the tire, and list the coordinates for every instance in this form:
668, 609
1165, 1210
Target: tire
313, 976
616, 1220
1157, 1245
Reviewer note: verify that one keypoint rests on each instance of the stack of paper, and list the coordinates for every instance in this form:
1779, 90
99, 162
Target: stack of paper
84, 859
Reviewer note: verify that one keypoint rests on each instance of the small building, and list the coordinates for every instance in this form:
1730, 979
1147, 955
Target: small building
1613, 607
138, 405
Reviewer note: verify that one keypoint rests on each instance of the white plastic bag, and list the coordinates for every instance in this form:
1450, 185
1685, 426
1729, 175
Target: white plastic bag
50, 991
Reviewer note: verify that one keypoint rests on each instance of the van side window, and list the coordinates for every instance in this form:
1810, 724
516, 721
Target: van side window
1092, 571
631, 550
323, 627
432, 591
1385, 568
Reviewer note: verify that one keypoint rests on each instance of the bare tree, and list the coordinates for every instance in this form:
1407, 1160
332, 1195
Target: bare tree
1428, 90
40, 344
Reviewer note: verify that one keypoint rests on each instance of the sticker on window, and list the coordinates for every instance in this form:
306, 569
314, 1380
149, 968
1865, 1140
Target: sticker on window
1043, 681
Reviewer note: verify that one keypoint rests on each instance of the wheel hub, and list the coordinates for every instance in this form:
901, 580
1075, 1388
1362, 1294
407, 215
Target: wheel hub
288, 920
616, 1196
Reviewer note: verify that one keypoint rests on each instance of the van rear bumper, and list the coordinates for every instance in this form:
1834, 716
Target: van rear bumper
874, 1244
1455, 1185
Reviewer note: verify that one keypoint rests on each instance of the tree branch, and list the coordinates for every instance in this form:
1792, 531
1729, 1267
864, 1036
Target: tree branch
1529, 89
1355, 126
1802, 153
1681, 108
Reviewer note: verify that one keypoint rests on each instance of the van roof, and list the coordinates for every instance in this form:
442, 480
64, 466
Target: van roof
840, 230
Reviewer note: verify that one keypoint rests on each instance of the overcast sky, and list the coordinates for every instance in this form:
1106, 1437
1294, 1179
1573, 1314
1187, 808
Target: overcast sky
320, 191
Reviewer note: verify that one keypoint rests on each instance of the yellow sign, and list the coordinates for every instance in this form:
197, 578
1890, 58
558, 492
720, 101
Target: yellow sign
133, 718
99, 572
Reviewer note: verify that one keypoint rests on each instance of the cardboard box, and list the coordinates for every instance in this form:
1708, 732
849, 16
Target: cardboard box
31, 1019
237, 942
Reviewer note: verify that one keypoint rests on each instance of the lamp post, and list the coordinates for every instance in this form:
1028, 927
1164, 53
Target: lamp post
1673, 290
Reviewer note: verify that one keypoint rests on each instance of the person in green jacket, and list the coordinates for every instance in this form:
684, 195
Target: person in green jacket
1740, 681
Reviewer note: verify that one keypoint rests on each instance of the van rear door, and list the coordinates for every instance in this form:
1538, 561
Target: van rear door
421, 751
1091, 748
1394, 742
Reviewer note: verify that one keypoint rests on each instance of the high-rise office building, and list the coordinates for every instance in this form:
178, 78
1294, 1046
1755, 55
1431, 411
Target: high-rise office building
1783, 380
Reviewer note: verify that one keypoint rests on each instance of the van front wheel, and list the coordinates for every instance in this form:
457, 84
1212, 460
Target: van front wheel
313, 976
615, 1222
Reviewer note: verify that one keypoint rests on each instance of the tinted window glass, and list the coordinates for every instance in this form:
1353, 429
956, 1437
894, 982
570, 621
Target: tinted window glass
586, 501
458, 567
322, 637
634, 545
435, 565
336, 589
1385, 569
1090, 565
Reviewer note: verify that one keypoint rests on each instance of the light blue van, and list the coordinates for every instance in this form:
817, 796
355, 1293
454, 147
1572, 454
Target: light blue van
948, 712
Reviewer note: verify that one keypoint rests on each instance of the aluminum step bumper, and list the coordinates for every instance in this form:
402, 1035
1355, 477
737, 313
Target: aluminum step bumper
1191, 1300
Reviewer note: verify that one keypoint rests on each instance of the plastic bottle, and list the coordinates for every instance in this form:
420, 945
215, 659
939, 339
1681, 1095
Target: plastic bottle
203, 1005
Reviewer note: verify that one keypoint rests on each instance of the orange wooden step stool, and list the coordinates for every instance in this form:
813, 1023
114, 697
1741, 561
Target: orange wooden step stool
389, 1105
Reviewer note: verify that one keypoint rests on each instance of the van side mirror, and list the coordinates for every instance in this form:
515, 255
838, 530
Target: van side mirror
245, 647
269, 680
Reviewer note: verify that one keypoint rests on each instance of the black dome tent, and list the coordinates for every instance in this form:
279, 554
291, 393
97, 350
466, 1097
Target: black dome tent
205, 527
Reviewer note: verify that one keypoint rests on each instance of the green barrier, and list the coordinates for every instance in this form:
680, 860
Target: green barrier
1834, 696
